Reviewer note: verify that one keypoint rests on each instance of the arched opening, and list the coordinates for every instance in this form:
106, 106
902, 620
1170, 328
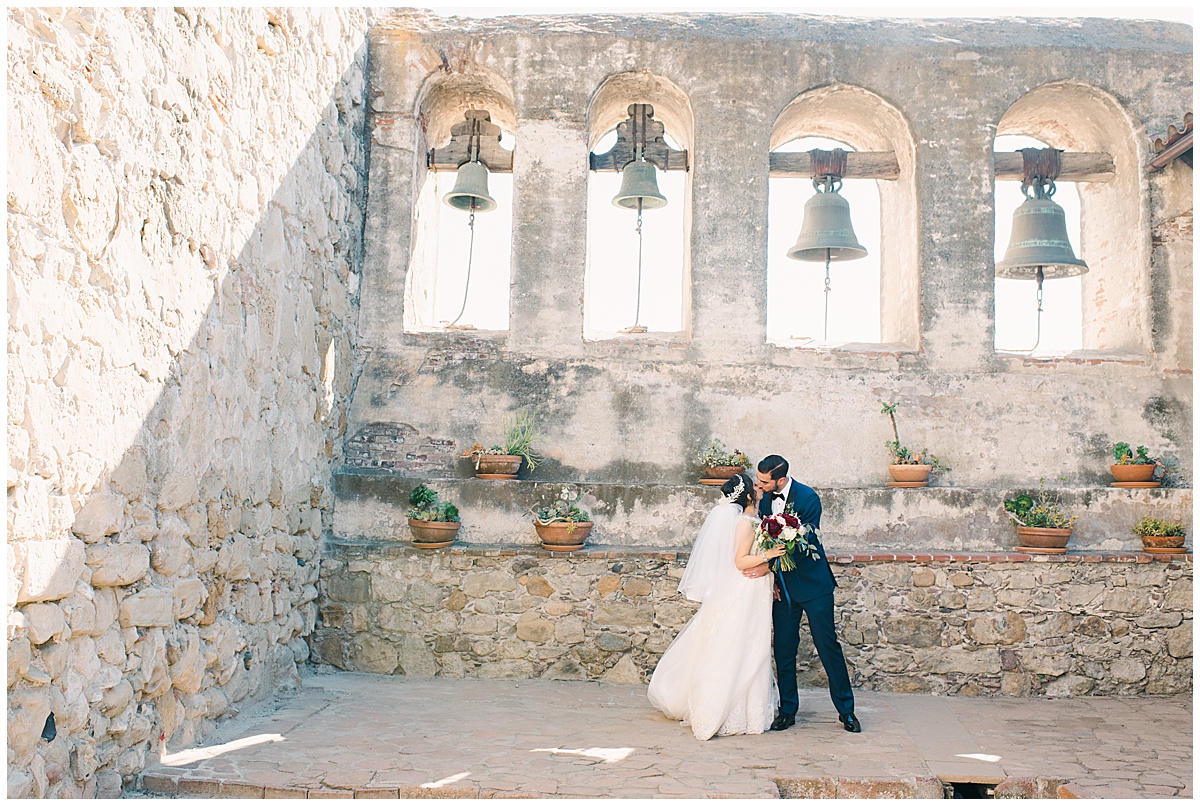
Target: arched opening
1114, 230
615, 302
460, 264
874, 300
1060, 330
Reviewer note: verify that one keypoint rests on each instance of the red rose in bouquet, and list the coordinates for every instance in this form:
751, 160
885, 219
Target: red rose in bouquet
786, 530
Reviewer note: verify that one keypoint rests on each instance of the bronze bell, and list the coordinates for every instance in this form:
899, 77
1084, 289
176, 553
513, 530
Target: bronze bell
827, 233
470, 189
639, 182
1039, 241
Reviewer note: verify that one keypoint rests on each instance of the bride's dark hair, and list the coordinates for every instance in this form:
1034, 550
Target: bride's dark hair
745, 496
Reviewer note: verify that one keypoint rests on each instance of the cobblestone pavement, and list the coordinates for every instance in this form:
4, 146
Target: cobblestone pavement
359, 735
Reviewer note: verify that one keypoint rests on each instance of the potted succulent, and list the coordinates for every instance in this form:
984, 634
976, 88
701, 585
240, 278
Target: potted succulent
909, 469
718, 463
1042, 526
504, 462
434, 524
1161, 537
1133, 469
562, 526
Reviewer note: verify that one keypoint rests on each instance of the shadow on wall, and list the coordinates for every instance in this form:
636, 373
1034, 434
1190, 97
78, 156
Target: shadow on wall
167, 494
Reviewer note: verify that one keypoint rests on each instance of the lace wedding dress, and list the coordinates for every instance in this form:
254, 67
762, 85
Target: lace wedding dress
717, 674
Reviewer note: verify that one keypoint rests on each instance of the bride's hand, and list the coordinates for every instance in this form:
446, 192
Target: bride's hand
771, 554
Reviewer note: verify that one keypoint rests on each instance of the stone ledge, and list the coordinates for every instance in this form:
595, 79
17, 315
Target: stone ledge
393, 548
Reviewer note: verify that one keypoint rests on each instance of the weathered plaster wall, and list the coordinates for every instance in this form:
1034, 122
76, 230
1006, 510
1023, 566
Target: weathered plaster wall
957, 625
630, 411
185, 198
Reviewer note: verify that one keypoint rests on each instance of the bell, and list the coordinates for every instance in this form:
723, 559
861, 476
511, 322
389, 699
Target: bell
827, 233
639, 182
1039, 241
470, 189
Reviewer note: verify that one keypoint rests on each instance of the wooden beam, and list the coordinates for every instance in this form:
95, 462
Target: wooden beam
1009, 166
859, 165
1077, 166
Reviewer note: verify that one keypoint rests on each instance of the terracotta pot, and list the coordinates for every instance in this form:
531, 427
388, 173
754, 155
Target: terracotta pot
1162, 542
1038, 538
494, 465
1132, 472
560, 536
910, 473
721, 471
432, 534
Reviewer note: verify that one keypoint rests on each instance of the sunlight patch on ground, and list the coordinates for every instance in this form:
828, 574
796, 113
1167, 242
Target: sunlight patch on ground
980, 757
609, 754
446, 781
203, 753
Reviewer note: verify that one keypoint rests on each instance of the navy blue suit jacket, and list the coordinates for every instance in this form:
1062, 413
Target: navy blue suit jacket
810, 578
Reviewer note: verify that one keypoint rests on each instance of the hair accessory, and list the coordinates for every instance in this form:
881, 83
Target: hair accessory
737, 491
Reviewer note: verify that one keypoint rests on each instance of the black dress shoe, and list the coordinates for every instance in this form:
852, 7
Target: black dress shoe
783, 721
850, 722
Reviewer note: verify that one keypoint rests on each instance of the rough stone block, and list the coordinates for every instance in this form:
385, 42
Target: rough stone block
27, 712
534, 629
48, 569
1179, 641
190, 593
371, 654
1005, 628
102, 514
807, 788
917, 631
117, 564
44, 620
153, 607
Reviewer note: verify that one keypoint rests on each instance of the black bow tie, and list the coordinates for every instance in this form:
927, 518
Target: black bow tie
773, 496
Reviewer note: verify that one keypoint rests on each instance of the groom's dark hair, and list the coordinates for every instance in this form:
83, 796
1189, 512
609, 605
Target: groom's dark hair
775, 465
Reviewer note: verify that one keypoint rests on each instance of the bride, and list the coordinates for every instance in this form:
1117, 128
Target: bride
717, 674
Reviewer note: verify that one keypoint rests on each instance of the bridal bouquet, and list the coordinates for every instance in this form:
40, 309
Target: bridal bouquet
786, 530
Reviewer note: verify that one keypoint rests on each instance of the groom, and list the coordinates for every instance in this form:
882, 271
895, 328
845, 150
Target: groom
807, 589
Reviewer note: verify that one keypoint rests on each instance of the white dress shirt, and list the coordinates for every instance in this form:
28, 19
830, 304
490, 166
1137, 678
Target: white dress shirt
777, 504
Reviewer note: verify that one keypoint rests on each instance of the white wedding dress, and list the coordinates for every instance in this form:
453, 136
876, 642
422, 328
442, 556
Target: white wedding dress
717, 674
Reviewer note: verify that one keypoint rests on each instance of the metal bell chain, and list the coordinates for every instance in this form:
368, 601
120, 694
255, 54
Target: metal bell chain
470, 256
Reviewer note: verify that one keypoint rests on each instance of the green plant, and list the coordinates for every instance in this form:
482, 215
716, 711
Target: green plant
1166, 468
520, 432
715, 454
902, 455
563, 510
426, 507
1044, 512
1153, 527
1125, 456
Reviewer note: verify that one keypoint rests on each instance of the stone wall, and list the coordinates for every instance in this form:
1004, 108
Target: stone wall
185, 198
632, 409
971, 625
